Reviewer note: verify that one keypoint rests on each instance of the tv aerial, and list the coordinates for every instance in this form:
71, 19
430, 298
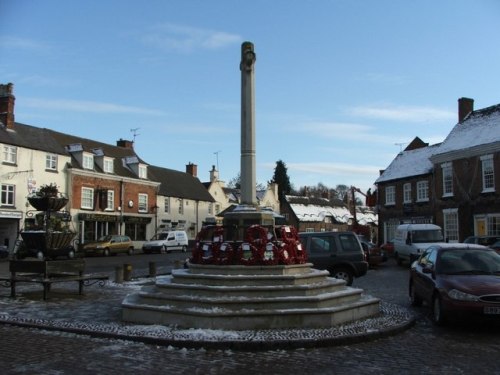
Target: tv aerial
134, 133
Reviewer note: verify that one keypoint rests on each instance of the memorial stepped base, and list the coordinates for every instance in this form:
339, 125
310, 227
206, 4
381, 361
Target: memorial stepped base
248, 297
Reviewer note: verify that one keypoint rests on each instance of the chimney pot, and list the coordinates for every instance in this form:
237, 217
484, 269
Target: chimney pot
192, 169
124, 143
465, 106
7, 100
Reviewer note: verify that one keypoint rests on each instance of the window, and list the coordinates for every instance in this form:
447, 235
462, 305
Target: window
108, 165
488, 173
10, 154
7, 195
143, 203
407, 193
181, 207
143, 171
493, 225
88, 161
422, 191
51, 162
87, 198
110, 200
390, 195
217, 208
210, 208
167, 205
450, 217
447, 179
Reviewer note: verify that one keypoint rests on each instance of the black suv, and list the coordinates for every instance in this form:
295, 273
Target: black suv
338, 252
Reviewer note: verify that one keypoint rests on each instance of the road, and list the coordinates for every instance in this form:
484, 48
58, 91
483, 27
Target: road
466, 348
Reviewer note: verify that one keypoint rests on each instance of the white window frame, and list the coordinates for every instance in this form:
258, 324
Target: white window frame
423, 191
390, 195
493, 225
166, 205
210, 208
488, 173
87, 161
107, 165
143, 171
407, 193
142, 202
181, 207
110, 200
9, 154
447, 171
87, 199
450, 224
51, 162
8, 195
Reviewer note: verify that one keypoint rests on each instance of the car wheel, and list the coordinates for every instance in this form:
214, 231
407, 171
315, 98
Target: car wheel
106, 252
414, 299
438, 316
343, 274
130, 251
184, 249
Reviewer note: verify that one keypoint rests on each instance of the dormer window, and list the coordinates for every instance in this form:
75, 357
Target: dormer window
88, 161
108, 165
143, 171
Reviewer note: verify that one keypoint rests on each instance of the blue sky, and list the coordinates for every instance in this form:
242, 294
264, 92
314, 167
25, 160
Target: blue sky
341, 86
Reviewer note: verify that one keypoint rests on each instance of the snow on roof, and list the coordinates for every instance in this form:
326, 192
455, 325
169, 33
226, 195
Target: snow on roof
311, 209
365, 217
313, 213
480, 127
410, 163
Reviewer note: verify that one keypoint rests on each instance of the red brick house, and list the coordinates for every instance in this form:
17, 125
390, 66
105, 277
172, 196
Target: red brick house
451, 184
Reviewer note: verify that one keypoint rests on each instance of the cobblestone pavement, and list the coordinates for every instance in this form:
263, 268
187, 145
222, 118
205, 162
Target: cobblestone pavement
470, 348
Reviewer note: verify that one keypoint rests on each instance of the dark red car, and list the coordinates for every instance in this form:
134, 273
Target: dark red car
457, 280
388, 247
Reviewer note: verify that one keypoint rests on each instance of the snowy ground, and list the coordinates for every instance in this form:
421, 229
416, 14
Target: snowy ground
98, 313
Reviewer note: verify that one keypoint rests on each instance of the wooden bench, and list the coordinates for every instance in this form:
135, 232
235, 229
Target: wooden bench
47, 273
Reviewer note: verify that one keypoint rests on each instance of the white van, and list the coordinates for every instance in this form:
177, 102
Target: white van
411, 240
165, 242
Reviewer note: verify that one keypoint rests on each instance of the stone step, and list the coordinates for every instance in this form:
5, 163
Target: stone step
214, 269
217, 318
185, 276
241, 302
165, 285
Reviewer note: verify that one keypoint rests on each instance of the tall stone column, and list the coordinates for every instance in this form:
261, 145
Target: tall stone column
247, 173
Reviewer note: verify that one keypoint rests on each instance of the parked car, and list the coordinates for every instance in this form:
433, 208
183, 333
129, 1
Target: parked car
110, 244
388, 247
457, 280
483, 240
374, 255
21, 251
412, 239
165, 242
338, 252
4, 252
496, 246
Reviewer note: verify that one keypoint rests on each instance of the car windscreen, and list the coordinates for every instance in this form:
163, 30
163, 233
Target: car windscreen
468, 261
423, 236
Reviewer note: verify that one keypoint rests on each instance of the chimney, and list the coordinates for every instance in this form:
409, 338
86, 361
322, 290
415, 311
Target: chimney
465, 106
7, 100
214, 174
124, 143
192, 169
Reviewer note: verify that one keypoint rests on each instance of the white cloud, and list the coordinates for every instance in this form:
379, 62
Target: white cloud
403, 113
11, 42
186, 39
87, 106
